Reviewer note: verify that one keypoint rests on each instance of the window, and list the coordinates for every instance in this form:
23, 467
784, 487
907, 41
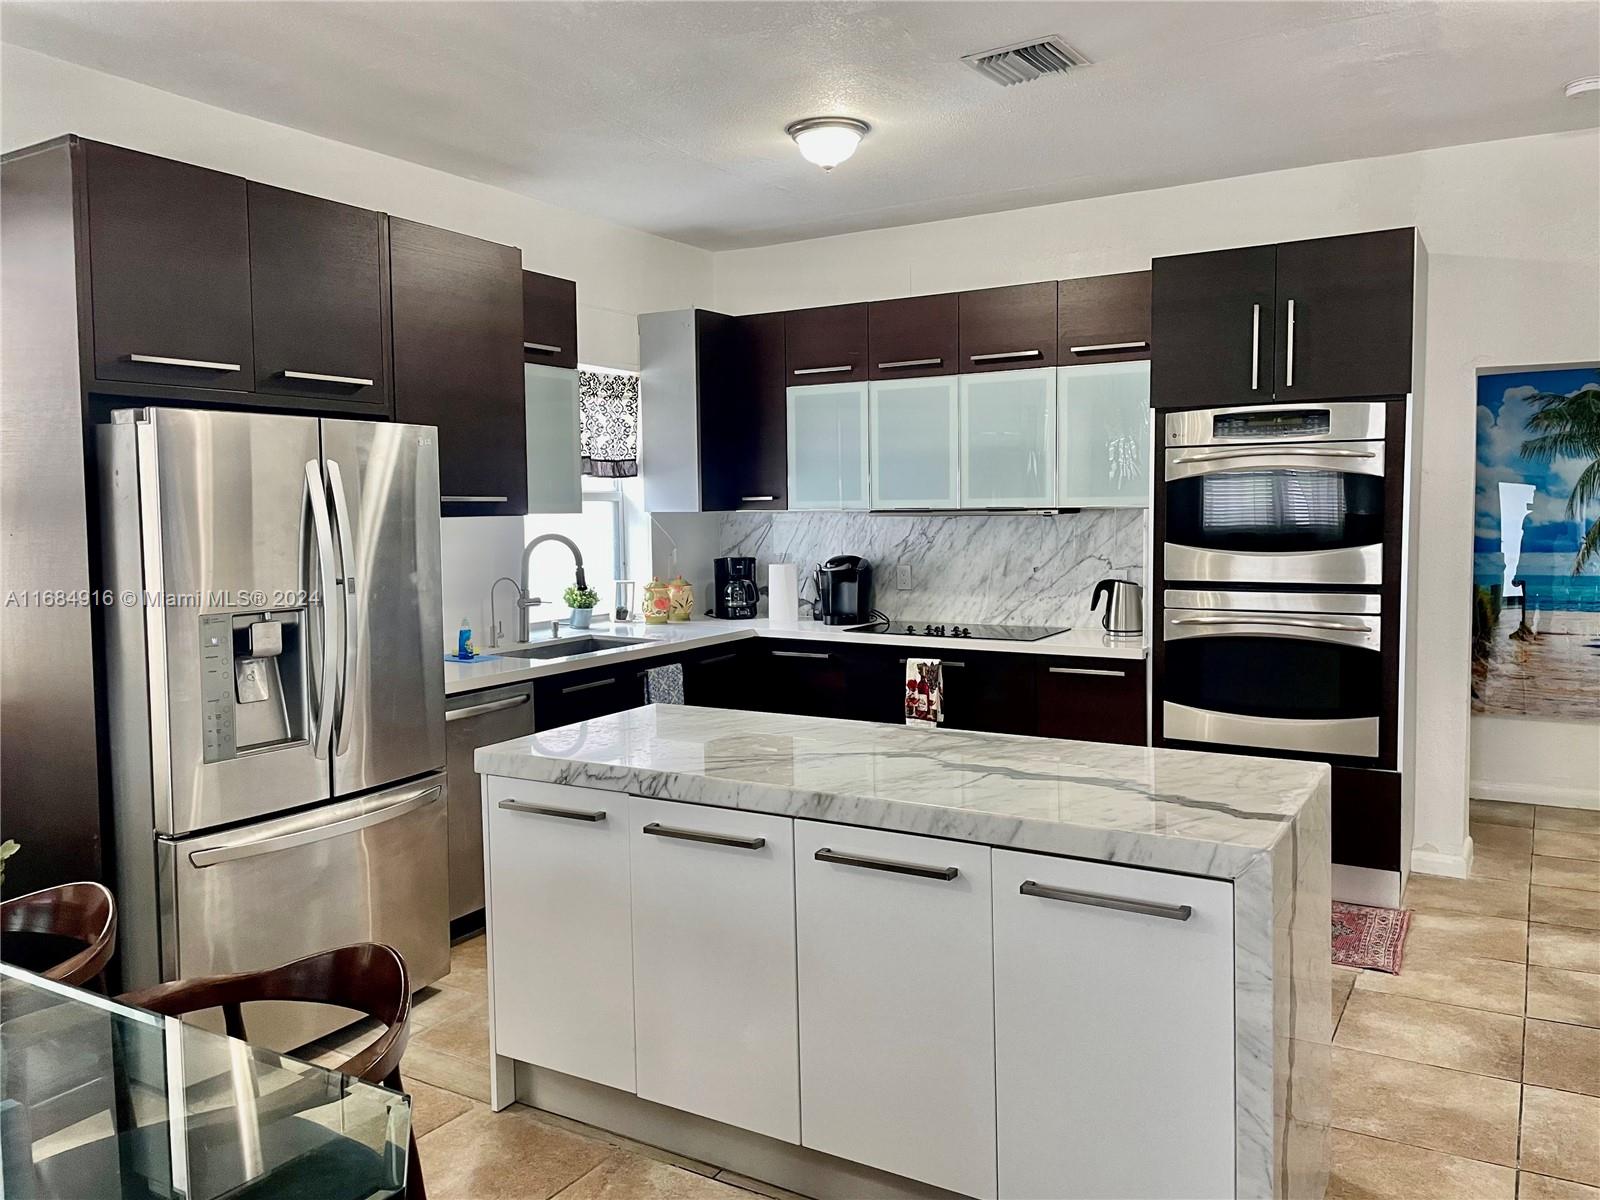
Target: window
599, 532
609, 415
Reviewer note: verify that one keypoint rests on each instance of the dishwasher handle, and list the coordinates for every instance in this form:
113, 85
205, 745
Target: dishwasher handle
478, 710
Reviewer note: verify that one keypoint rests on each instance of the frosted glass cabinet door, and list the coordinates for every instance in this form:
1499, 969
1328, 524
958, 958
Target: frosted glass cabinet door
828, 446
554, 460
1008, 439
916, 436
1103, 414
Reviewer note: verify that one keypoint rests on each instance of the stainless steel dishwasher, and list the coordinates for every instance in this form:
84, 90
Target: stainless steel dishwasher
475, 719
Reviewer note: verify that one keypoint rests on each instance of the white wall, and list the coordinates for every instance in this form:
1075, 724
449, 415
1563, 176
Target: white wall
1513, 233
620, 272
1532, 761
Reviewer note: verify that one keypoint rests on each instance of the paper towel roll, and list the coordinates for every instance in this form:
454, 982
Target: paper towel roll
783, 595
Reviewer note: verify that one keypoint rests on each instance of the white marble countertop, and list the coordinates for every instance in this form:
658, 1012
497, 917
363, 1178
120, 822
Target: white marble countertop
492, 669
1179, 810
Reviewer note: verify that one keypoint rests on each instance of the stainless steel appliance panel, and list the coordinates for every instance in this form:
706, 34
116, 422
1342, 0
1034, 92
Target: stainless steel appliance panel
472, 720
1342, 420
1356, 565
371, 869
1360, 458
1356, 737
223, 506
383, 486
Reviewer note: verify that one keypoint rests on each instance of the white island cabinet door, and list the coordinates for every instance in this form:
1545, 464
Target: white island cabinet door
1113, 1031
713, 960
896, 1003
560, 930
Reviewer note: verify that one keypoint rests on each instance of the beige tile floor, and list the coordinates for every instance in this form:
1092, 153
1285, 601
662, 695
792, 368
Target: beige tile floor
471, 1153
1475, 1073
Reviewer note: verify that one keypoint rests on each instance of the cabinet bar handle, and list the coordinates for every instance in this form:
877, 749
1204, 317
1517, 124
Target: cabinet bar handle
885, 864
946, 661
823, 370
694, 835
1293, 622
313, 377
911, 362
584, 687
706, 662
1255, 346
799, 654
1004, 354
477, 710
1085, 671
541, 348
1109, 347
1173, 912
546, 810
755, 499
1288, 370
198, 364
473, 499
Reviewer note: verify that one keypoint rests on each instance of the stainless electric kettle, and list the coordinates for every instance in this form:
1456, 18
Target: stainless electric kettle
1124, 615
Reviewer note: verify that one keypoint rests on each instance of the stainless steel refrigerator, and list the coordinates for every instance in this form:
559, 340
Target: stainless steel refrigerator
273, 642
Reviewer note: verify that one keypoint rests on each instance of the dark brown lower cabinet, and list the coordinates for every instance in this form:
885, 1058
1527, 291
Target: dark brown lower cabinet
1366, 818
1092, 699
818, 679
584, 695
987, 693
717, 677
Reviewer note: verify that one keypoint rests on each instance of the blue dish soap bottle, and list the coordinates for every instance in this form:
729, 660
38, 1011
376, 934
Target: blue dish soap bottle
464, 647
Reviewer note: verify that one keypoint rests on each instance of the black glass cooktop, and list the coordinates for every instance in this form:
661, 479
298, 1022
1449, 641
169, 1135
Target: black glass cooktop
960, 629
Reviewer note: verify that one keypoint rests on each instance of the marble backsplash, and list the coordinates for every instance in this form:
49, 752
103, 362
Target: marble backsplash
999, 568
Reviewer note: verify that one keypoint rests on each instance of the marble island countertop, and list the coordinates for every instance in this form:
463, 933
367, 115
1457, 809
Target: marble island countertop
1199, 813
494, 669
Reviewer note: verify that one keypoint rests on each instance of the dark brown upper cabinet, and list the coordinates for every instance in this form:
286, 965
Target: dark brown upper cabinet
549, 320
457, 313
169, 268
319, 301
1212, 325
1104, 318
1008, 328
826, 345
914, 336
1344, 308
761, 472
1325, 319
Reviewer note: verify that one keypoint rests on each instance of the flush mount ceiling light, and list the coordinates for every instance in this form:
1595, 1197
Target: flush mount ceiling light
1579, 86
827, 141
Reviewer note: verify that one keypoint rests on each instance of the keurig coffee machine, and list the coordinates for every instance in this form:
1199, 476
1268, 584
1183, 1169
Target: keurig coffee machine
844, 590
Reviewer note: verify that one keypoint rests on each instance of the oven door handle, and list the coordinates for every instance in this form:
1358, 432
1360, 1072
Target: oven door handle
1294, 622
1264, 451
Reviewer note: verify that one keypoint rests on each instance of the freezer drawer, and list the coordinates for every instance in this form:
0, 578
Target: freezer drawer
371, 869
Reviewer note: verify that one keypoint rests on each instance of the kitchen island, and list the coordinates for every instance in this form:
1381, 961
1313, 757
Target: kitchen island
845, 957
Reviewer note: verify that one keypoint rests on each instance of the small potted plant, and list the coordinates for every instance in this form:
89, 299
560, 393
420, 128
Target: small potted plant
581, 600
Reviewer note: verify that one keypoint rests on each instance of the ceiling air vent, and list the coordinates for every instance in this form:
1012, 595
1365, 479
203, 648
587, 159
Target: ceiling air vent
1025, 61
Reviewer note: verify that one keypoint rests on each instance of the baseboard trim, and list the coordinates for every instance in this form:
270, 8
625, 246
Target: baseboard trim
1526, 793
1452, 866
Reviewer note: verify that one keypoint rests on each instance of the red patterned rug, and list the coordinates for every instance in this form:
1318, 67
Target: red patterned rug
1371, 938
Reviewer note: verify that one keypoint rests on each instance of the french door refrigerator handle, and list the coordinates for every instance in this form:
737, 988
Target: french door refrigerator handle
322, 737
347, 595
409, 802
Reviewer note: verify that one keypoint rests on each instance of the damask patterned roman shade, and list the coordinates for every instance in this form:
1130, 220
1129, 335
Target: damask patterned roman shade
608, 422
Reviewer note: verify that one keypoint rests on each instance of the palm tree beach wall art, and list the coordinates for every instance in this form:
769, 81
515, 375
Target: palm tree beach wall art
1536, 562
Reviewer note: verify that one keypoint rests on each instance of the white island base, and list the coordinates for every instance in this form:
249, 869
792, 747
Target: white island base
858, 960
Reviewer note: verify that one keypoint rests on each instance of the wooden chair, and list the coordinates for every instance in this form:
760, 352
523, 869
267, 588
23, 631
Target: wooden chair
41, 926
366, 977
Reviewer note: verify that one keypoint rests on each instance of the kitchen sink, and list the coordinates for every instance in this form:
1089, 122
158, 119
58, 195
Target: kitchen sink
566, 647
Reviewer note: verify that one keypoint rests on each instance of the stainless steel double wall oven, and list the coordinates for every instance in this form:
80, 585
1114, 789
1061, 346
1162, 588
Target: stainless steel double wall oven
1279, 542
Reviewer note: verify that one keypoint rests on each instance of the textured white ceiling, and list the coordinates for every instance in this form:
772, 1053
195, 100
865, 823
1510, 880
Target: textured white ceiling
668, 116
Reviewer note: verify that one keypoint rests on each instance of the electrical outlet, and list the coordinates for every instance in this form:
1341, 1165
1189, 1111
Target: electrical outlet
902, 576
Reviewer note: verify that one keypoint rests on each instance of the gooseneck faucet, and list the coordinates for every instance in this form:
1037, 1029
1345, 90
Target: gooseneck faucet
494, 623
525, 601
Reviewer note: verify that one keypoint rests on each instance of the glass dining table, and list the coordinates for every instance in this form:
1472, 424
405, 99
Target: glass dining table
98, 1099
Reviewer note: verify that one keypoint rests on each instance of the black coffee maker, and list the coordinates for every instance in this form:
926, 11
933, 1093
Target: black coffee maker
735, 593
844, 590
